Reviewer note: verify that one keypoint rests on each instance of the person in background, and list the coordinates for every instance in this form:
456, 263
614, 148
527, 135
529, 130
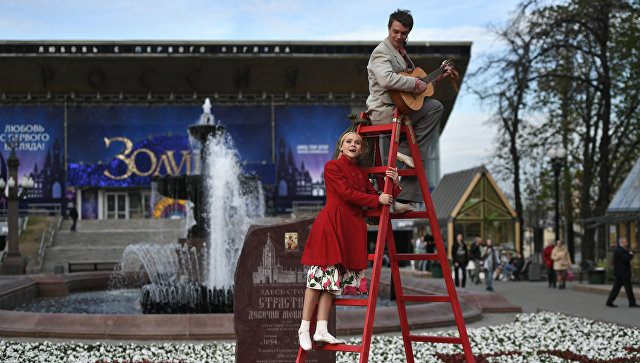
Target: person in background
460, 259
491, 260
561, 263
73, 213
513, 267
430, 247
475, 254
546, 256
622, 257
419, 248
510, 267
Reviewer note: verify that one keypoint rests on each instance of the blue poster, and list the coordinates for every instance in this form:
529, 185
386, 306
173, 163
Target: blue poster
129, 145
306, 137
39, 132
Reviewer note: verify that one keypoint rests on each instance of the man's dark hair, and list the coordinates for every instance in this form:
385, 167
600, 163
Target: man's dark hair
403, 16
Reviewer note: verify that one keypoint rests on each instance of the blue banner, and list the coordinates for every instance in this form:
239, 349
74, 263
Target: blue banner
129, 145
39, 131
306, 137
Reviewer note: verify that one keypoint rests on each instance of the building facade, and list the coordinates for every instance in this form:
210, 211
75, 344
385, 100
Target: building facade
98, 120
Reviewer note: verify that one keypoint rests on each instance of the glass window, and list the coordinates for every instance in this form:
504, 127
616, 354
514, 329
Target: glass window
468, 229
473, 212
475, 196
502, 233
492, 195
633, 237
493, 211
613, 235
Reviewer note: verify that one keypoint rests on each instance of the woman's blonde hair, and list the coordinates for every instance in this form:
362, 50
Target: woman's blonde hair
347, 133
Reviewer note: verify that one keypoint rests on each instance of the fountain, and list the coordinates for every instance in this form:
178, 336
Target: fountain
195, 275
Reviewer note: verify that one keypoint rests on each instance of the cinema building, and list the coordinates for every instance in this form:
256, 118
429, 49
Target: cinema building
98, 120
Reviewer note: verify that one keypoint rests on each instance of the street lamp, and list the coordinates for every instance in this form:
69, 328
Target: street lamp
557, 154
13, 263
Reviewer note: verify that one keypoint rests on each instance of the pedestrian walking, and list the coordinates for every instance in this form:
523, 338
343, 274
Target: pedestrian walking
491, 261
561, 263
622, 257
475, 254
73, 213
430, 247
420, 248
460, 259
546, 256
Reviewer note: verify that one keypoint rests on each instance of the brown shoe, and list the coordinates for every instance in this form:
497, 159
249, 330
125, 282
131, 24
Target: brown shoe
403, 207
407, 160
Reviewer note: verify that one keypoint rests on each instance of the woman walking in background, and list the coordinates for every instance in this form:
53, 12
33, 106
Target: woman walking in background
561, 263
491, 261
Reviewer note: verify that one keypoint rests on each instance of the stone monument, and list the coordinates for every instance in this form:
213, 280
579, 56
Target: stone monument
269, 294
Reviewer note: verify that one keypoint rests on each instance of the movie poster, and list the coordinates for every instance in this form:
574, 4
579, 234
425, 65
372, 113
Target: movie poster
119, 146
38, 133
306, 137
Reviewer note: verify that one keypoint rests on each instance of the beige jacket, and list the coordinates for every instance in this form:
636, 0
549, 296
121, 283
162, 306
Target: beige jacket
384, 64
561, 258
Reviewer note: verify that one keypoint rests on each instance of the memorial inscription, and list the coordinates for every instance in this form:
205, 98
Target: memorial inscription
269, 294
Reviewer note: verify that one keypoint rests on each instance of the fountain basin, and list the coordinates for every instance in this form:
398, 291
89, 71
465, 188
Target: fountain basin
204, 326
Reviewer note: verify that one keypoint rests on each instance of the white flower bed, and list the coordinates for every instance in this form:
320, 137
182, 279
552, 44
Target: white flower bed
527, 339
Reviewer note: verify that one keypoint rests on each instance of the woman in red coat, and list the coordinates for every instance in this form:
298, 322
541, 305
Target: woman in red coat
336, 249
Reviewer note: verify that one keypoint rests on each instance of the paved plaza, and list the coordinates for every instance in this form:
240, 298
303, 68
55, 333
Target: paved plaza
534, 296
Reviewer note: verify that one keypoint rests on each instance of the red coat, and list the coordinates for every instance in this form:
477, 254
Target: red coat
339, 234
546, 256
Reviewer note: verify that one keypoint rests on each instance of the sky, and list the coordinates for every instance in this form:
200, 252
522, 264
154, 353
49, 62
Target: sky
467, 139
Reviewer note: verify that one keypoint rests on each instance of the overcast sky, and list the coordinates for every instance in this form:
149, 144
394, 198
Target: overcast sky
466, 141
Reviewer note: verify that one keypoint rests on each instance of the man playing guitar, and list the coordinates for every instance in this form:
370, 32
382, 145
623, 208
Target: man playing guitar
387, 60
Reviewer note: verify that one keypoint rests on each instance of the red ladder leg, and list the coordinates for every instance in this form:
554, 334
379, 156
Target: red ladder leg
384, 226
397, 283
433, 222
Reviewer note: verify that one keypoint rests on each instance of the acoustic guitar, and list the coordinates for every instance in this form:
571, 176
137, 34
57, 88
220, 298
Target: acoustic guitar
407, 101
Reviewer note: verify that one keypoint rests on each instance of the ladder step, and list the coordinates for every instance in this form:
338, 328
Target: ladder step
383, 169
350, 302
377, 129
432, 339
417, 257
411, 256
406, 215
426, 298
340, 347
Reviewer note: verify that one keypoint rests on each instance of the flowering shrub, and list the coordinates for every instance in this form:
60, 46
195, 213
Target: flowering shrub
541, 337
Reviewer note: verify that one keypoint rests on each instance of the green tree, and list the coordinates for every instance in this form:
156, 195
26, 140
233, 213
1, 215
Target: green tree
597, 97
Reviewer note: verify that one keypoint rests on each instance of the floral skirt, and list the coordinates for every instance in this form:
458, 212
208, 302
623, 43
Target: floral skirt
337, 280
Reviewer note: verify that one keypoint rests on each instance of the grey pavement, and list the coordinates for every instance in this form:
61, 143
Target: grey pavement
534, 296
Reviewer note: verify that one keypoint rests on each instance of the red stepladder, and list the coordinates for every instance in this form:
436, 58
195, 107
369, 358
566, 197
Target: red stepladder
401, 125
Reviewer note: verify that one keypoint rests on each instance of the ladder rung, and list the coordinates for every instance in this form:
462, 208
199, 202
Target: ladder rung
340, 347
350, 302
371, 257
406, 215
426, 298
432, 339
417, 257
383, 169
376, 129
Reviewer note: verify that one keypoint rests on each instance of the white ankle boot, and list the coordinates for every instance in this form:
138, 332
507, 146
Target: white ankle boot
325, 337
305, 340
322, 334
